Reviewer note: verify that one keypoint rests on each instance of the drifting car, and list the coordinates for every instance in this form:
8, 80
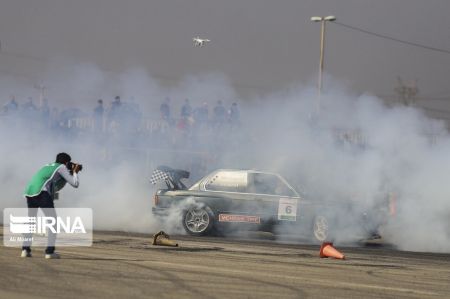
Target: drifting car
249, 199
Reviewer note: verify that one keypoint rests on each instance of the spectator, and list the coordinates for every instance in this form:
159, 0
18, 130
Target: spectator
114, 112
165, 109
186, 109
98, 115
219, 113
116, 104
234, 114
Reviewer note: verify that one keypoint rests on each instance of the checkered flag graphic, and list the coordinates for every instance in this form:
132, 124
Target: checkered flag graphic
158, 175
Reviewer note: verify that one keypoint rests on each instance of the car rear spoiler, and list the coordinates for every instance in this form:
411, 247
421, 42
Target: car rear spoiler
172, 177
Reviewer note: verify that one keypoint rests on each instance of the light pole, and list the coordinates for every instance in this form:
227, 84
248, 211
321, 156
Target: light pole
322, 20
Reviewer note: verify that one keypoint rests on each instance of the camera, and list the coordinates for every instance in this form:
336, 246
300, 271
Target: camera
74, 167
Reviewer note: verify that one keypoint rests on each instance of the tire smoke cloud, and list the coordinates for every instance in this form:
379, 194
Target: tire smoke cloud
355, 149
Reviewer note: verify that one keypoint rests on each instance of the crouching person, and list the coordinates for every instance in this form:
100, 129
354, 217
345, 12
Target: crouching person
40, 193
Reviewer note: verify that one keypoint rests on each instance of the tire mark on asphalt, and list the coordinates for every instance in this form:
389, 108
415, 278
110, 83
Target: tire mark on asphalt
171, 278
229, 276
314, 281
174, 279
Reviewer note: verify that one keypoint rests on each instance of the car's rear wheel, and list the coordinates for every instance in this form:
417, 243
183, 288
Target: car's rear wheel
198, 221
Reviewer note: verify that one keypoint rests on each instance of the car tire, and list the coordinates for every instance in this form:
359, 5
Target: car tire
321, 229
198, 221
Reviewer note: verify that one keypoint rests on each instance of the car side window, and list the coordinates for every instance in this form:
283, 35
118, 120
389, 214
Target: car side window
227, 181
264, 183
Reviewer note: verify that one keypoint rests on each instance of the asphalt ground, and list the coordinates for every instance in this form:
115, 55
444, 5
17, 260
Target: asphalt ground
122, 265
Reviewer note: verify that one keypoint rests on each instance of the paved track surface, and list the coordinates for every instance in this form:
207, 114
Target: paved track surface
121, 265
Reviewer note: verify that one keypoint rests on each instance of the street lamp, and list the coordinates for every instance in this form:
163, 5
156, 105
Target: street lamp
323, 20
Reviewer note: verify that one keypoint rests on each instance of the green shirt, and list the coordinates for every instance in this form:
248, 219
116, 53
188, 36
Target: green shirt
45, 179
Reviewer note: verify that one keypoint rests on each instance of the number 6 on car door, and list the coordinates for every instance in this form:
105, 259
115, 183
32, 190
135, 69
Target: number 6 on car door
287, 209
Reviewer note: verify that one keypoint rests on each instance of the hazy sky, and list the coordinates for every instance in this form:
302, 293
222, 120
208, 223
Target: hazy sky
257, 43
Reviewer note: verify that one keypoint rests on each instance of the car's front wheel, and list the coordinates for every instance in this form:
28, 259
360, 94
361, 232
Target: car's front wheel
198, 221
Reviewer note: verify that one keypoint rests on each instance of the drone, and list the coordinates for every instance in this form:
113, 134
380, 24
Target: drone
200, 42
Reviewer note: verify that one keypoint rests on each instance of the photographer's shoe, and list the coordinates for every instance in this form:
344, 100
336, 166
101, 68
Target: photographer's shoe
25, 253
53, 255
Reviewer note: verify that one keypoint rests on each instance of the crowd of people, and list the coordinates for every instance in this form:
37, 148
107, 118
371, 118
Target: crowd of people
27, 110
200, 116
189, 127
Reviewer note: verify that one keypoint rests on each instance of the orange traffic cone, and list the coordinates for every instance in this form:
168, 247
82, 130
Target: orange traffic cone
162, 239
327, 250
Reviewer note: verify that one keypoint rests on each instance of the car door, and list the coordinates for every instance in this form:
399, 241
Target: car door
273, 197
228, 189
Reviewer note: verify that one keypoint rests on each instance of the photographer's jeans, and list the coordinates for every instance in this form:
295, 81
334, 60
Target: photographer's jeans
45, 201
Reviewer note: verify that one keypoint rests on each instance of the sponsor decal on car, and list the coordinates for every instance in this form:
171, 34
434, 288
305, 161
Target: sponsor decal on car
239, 218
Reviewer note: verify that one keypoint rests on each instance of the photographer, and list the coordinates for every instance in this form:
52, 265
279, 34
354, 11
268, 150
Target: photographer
42, 190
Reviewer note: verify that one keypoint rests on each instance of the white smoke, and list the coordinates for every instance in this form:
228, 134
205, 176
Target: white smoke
283, 132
